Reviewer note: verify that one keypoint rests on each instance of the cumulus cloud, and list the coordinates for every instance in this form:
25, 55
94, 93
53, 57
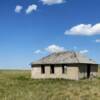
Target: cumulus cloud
51, 2
18, 8
37, 51
84, 51
31, 8
98, 40
54, 49
84, 29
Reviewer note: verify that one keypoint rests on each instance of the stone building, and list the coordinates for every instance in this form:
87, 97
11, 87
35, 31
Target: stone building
64, 65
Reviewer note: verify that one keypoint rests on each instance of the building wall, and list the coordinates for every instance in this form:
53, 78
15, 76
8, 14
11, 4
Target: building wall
71, 72
94, 70
83, 70
37, 74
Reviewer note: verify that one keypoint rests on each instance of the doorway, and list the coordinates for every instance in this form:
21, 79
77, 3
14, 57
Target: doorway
88, 70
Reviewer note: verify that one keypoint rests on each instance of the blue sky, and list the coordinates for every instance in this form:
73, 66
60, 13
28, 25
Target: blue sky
30, 29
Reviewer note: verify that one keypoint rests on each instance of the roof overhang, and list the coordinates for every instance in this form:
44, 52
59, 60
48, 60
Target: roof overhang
34, 65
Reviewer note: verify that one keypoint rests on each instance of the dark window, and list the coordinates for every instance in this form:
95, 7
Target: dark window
63, 69
52, 69
42, 69
88, 70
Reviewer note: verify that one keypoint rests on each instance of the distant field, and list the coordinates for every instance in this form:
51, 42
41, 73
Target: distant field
17, 85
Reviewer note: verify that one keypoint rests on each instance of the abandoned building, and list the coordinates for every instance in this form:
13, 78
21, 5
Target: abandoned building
65, 65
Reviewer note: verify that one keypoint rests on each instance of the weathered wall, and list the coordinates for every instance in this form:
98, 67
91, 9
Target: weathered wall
73, 72
36, 72
70, 73
94, 70
98, 74
83, 70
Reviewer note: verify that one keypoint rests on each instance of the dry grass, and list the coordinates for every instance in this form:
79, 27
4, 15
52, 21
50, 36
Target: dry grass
17, 85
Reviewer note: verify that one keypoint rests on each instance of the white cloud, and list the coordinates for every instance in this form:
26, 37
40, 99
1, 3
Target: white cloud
98, 40
31, 8
51, 2
37, 52
84, 29
84, 51
54, 48
18, 8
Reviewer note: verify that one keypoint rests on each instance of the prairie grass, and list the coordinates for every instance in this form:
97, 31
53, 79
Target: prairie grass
17, 85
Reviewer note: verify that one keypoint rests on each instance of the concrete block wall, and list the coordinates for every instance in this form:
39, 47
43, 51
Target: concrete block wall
71, 72
36, 72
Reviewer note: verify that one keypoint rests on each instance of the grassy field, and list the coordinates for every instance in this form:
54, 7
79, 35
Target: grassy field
17, 85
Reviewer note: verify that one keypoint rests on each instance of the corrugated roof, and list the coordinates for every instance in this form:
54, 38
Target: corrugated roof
67, 57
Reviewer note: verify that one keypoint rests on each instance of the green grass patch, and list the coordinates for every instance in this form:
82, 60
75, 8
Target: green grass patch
17, 85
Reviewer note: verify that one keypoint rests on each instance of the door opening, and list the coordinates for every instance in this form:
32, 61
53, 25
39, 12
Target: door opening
88, 70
